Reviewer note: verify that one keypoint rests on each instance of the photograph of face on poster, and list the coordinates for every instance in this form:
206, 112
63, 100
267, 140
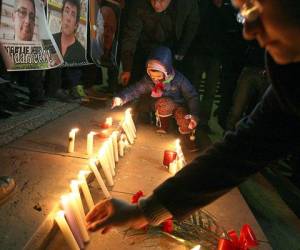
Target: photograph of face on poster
104, 23
25, 37
67, 20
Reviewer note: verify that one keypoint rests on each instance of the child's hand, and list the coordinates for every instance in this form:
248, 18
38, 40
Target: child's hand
193, 121
117, 101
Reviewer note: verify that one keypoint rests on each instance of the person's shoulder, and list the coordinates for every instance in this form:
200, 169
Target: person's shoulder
180, 78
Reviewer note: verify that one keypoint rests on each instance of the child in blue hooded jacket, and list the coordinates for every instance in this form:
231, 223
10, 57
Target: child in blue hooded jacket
171, 93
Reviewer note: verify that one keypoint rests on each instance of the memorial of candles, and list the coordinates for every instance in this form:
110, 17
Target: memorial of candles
74, 207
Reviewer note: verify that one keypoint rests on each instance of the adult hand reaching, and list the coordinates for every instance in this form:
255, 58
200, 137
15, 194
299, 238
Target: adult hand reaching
111, 213
125, 77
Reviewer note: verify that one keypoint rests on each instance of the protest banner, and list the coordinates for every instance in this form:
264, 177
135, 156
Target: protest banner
67, 20
25, 40
104, 30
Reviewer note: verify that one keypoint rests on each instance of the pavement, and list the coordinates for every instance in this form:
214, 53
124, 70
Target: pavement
42, 168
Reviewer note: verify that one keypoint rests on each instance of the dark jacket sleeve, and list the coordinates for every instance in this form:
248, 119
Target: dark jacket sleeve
266, 135
191, 96
190, 25
131, 36
134, 91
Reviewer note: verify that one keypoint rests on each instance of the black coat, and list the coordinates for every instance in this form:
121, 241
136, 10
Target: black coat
141, 26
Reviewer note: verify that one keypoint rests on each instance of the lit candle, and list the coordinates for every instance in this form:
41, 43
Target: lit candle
85, 188
66, 231
108, 149
72, 134
179, 151
109, 158
114, 137
173, 167
127, 132
99, 178
81, 223
129, 124
90, 143
121, 147
179, 163
69, 204
74, 185
70, 217
111, 149
105, 166
169, 156
107, 123
128, 114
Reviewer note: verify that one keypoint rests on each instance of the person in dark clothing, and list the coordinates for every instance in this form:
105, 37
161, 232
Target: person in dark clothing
204, 56
171, 23
232, 59
168, 91
74, 54
70, 48
270, 132
251, 85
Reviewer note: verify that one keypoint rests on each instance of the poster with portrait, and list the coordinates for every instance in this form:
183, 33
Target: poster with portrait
25, 40
104, 30
67, 21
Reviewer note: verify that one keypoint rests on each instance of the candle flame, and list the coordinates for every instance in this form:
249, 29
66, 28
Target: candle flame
83, 173
65, 198
197, 247
93, 161
74, 183
74, 130
60, 214
128, 111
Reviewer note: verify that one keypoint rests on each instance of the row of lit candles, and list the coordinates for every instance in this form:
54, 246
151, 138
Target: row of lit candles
71, 220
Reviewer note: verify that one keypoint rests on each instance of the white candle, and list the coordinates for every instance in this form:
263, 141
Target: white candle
90, 143
72, 134
93, 167
109, 121
179, 164
121, 147
85, 188
114, 137
72, 222
69, 201
173, 167
179, 152
128, 113
127, 121
105, 166
74, 185
110, 156
66, 231
127, 132
80, 221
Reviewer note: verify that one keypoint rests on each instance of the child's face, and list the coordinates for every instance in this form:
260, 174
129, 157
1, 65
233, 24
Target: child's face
156, 75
